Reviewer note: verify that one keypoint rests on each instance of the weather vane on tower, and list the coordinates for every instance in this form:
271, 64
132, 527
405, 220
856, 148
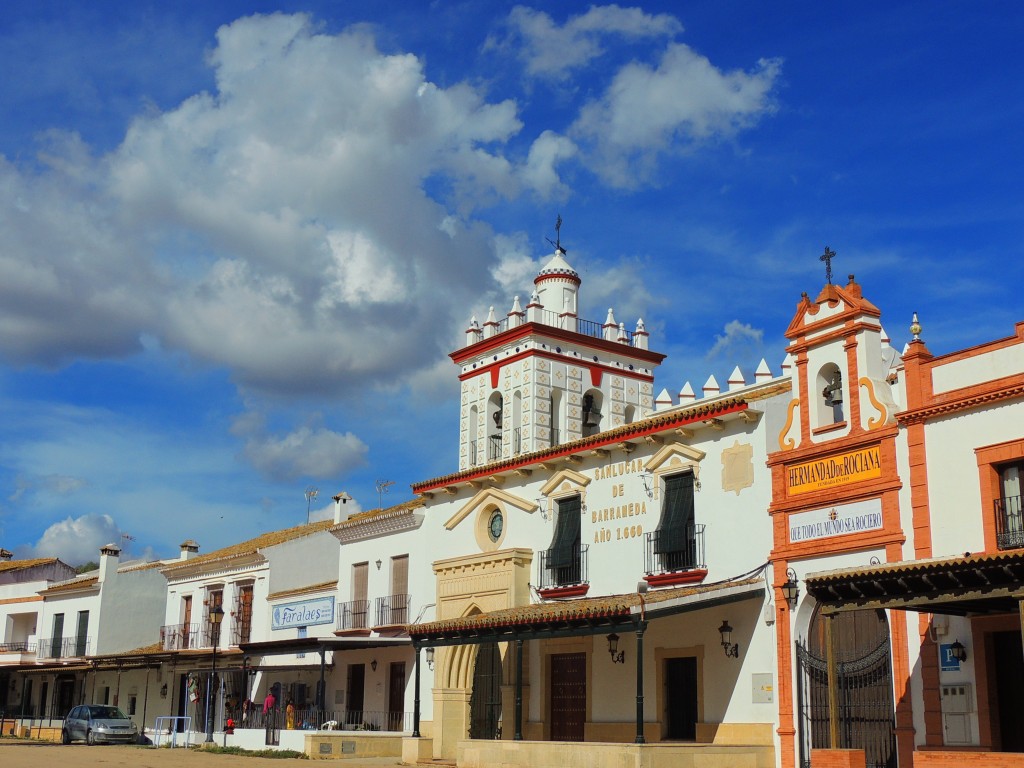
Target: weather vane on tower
827, 257
558, 236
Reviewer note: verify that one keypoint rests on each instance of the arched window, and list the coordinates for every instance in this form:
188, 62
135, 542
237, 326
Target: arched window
495, 416
592, 413
517, 422
474, 433
830, 403
630, 414
557, 416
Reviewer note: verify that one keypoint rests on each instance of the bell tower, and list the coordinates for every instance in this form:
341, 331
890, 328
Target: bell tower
542, 377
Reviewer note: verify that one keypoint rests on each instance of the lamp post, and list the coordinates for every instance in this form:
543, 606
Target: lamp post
216, 617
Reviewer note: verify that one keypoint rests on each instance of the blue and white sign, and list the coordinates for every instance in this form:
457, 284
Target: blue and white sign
306, 613
947, 661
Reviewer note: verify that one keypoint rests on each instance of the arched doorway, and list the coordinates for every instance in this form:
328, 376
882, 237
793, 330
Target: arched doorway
485, 699
863, 687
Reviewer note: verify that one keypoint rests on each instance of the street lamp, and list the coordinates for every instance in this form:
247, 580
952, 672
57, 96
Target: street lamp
216, 617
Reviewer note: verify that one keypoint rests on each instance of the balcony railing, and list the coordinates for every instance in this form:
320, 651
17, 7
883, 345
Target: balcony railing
666, 553
1009, 522
555, 439
590, 328
352, 615
179, 637
564, 575
517, 441
22, 646
494, 447
393, 609
241, 631
62, 647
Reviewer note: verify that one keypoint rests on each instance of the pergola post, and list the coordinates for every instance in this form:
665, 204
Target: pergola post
519, 690
416, 696
640, 626
833, 684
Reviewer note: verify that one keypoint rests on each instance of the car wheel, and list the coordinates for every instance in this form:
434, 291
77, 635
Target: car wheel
65, 737
90, 738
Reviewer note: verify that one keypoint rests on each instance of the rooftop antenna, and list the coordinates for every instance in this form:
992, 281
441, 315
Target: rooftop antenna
558, 237
382, 488
310, 494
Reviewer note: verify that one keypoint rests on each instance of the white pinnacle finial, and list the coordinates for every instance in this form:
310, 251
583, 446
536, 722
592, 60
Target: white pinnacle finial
915, 328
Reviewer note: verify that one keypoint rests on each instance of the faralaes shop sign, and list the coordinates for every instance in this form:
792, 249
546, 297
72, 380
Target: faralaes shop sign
308, 613
842, 469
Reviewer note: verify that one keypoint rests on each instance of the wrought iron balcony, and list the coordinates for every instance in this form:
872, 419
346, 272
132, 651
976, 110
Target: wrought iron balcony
517, 441
1009, 522
556, 572
352, 615
179, 637
63, 647
393, 609
667, 552
23, 646
241, 630
590, 328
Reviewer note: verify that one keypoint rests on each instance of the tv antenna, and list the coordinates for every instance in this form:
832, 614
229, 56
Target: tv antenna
382, 487
310, 494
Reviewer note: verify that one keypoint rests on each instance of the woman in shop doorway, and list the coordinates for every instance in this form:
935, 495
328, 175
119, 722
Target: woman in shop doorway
289, 715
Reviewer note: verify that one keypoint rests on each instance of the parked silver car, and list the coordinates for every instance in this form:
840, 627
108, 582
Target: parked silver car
98, 723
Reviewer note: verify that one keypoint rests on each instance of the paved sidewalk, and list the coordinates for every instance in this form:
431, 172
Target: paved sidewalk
34, 754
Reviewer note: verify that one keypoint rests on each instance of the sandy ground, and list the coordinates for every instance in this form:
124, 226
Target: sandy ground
26, 754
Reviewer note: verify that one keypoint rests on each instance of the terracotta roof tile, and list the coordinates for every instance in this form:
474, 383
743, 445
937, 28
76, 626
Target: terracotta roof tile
582, 609
67, 586
17, 565
252, 546
375, 514
639, 428
915, 567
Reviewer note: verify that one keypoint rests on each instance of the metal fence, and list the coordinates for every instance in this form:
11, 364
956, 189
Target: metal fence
392, 609
665, 553
312, 719
179, 637
352, 615
62, 647
1009, 523
576, 572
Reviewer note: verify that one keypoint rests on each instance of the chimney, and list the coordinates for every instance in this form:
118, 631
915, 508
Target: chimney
109, 556
341, 498
189, 549
6, 554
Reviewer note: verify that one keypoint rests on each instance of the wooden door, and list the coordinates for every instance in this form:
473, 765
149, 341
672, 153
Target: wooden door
1009, 665
396, 696
681, 698
568, 696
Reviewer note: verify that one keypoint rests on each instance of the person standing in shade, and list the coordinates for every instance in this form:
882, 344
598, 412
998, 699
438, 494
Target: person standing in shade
289, 715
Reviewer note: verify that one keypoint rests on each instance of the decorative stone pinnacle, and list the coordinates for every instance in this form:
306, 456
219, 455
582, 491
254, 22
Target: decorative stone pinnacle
915, 328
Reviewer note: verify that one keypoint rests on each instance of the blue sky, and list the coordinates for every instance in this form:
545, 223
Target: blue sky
240, 238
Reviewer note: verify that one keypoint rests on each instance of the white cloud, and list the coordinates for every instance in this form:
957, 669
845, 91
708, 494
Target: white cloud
279, 226
738, 344
684, 100
58, 485
77, 540
307, 451
552, 51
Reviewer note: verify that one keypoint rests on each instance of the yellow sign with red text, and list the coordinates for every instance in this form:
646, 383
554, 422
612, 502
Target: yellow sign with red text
841, 469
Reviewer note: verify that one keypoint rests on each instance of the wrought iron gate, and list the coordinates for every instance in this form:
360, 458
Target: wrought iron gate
865, 697
485, 700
